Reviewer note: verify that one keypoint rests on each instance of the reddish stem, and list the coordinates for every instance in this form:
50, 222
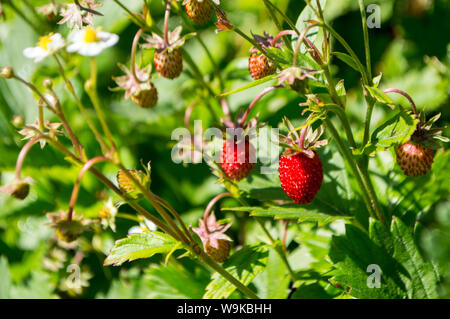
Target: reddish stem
166, 23
76, 187
286, 224
281, 34
133, 56
187, 114
23, 154
301, 141
210, 206
413, 105
225, 108
257, 98
300, 40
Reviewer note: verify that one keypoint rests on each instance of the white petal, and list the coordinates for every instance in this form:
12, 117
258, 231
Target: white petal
36, 53
74, 47
90, 49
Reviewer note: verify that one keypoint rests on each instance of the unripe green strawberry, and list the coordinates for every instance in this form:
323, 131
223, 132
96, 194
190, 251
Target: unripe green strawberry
128, 186
301, 175
212, 234
221, 253
169, 63
260, 66
146, 98
414, 159
199, 10
67, 231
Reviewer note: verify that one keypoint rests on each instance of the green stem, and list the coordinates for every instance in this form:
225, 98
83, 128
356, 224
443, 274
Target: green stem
210, 262
285, 17
91, 89
350, 160
80, 105
179, 234
370, 105
133, 17
128, 216
216, 69
366, 40
349, 50
280, 252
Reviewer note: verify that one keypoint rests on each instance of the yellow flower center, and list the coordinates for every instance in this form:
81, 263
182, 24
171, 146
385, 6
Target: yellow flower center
90, 35
45, 41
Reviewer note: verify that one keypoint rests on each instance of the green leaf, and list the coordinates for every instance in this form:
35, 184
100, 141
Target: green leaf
380, 96
353, 253
173, 281
347, 59
314, 34
342, 93
273, 283
421, 280
140, 245
244, 265
294, 211
250, 85
396, 130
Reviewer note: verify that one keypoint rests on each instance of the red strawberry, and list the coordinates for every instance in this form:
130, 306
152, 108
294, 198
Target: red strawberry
414, 159
260, 66
146, 98
169, 63
235, 159
301, 175
199, 10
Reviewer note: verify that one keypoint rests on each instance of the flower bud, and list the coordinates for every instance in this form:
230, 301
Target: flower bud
7, 72
18, 121
48, 83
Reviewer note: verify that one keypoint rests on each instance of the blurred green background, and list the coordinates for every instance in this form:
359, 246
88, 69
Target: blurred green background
411, 49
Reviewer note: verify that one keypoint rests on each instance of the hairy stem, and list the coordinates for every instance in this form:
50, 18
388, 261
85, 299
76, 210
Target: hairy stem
80, 105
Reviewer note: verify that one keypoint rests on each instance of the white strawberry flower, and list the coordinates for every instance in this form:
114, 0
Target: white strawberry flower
47, 45
90, 41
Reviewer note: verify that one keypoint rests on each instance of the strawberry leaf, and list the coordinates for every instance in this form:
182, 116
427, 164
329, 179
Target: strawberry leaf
141, 245
244, 265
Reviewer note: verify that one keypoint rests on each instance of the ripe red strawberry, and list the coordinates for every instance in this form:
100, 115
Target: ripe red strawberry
146, 98
260, 66
221, 253
414, 159
199, 10
235, 159
300, 175
169, 63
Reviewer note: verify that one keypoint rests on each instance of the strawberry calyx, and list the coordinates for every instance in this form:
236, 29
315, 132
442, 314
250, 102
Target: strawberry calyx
175, 41
427, 135
307, 142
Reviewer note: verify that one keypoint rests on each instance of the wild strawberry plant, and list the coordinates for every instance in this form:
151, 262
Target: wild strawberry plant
329, 213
